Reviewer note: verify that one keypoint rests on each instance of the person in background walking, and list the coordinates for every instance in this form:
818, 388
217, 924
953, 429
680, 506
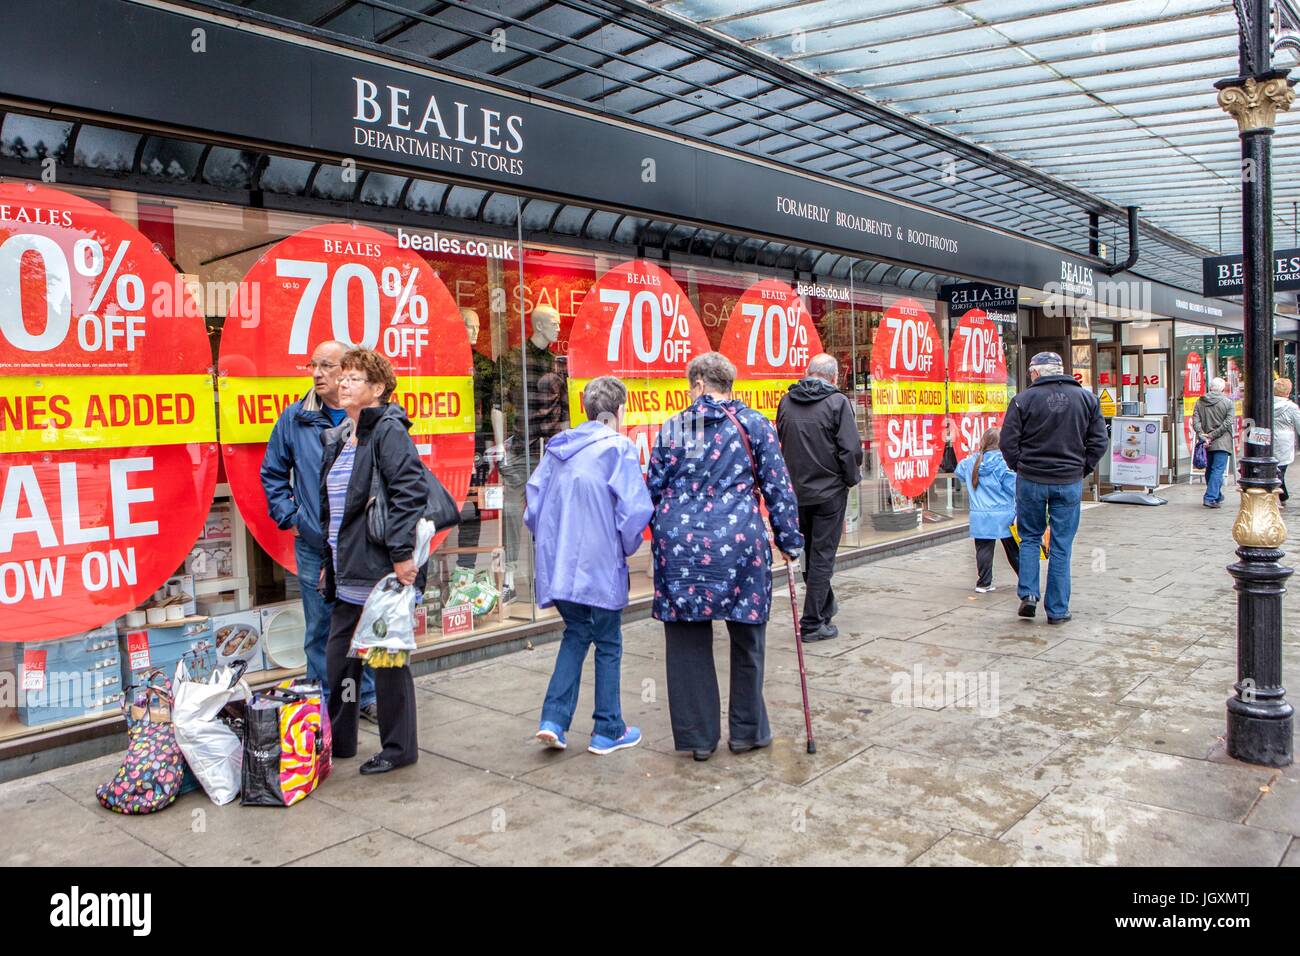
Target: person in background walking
1212, 421
374, 438
1052, 438
991, 487
587, 507
712, 562
291, 480
823, 450
1286, 426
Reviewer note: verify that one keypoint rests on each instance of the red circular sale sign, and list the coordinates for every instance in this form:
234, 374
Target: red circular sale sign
1193, 389
354, 284
770, 337
908, 396
636, 323
107, 430
977, 380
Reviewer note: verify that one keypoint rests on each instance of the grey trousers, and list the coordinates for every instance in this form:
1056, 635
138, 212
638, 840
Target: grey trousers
693, 703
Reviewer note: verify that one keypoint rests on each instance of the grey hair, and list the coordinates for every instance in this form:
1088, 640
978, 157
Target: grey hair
824, 366
714, 370
1217, 384
602, 398
1042, 370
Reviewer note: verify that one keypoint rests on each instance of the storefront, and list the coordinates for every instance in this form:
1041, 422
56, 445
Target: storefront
167, 269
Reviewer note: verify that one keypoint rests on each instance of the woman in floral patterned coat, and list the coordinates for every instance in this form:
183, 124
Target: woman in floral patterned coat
712, 561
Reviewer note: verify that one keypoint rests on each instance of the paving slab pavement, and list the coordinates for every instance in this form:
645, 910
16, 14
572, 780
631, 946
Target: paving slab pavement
950, 732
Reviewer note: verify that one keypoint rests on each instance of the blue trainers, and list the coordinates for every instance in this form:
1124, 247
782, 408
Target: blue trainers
551, 735
607, 745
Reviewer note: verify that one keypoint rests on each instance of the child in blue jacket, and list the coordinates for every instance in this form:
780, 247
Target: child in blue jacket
991, 486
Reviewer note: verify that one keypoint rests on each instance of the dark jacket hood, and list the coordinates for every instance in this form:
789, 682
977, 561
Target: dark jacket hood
370, 419
809, 390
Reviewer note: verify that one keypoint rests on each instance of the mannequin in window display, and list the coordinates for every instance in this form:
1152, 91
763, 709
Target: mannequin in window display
488, 428
535, 389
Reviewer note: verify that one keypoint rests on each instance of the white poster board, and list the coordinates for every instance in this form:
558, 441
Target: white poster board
1135, 452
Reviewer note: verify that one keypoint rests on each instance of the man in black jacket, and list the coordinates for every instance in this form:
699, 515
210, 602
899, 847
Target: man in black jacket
1053, 437
823, 451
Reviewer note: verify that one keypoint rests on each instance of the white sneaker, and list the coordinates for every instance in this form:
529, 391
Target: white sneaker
980, 590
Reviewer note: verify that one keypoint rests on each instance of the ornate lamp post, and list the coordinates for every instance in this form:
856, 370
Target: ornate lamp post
1259, 716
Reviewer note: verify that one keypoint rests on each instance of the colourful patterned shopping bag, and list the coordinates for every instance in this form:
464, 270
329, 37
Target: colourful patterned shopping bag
153, 769
287, 745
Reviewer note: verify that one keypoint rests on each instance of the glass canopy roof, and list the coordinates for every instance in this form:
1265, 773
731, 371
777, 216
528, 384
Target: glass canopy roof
1115, 97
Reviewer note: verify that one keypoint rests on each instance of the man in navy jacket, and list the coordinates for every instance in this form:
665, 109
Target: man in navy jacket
291, 480
1052, 438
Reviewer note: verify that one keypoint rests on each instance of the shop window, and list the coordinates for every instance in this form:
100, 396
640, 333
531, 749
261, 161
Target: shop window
501, 210
285, 176
229, 168
338, 183
170, 158
463, 202
109, 150
537, 214
426, 196
570, 220
30, 137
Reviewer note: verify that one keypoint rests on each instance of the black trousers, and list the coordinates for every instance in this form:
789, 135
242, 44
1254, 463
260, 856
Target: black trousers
984, 548
821, 523
1281, 474
394, 692
693, 703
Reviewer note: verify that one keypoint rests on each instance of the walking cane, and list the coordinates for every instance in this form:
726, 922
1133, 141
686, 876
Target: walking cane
798, 646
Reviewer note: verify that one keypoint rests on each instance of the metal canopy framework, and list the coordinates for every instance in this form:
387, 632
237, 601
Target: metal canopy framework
625, 59
1115, 97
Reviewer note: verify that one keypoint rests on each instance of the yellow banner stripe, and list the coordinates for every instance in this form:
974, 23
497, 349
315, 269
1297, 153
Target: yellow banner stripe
763, 395
977, 397
1189, 405
249, 407
901, 397
650, 401
57, 412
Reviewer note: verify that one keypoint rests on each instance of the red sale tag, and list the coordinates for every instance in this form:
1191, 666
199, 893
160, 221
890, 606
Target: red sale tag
908, 397
137, 649
107, 426
34, 670
355, 285
457, 620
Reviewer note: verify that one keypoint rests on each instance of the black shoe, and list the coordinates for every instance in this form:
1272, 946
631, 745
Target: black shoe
1028, 607
824, 633
379, 764
702, 755
1058, 620
1213, 504
369, 712
740, 747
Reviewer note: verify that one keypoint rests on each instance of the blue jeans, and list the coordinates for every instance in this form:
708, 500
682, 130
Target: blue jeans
317, 612
1036, 504
584, 626
1216, 463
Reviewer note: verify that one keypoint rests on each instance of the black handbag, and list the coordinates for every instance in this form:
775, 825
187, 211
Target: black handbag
440, 506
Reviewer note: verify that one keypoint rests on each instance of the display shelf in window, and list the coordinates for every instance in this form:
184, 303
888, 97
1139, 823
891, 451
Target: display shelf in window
219, 558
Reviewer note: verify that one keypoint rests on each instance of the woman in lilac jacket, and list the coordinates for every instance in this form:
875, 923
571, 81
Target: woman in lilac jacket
587, 507
711, 555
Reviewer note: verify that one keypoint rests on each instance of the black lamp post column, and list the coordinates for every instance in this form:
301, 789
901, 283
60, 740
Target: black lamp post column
1259, 716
